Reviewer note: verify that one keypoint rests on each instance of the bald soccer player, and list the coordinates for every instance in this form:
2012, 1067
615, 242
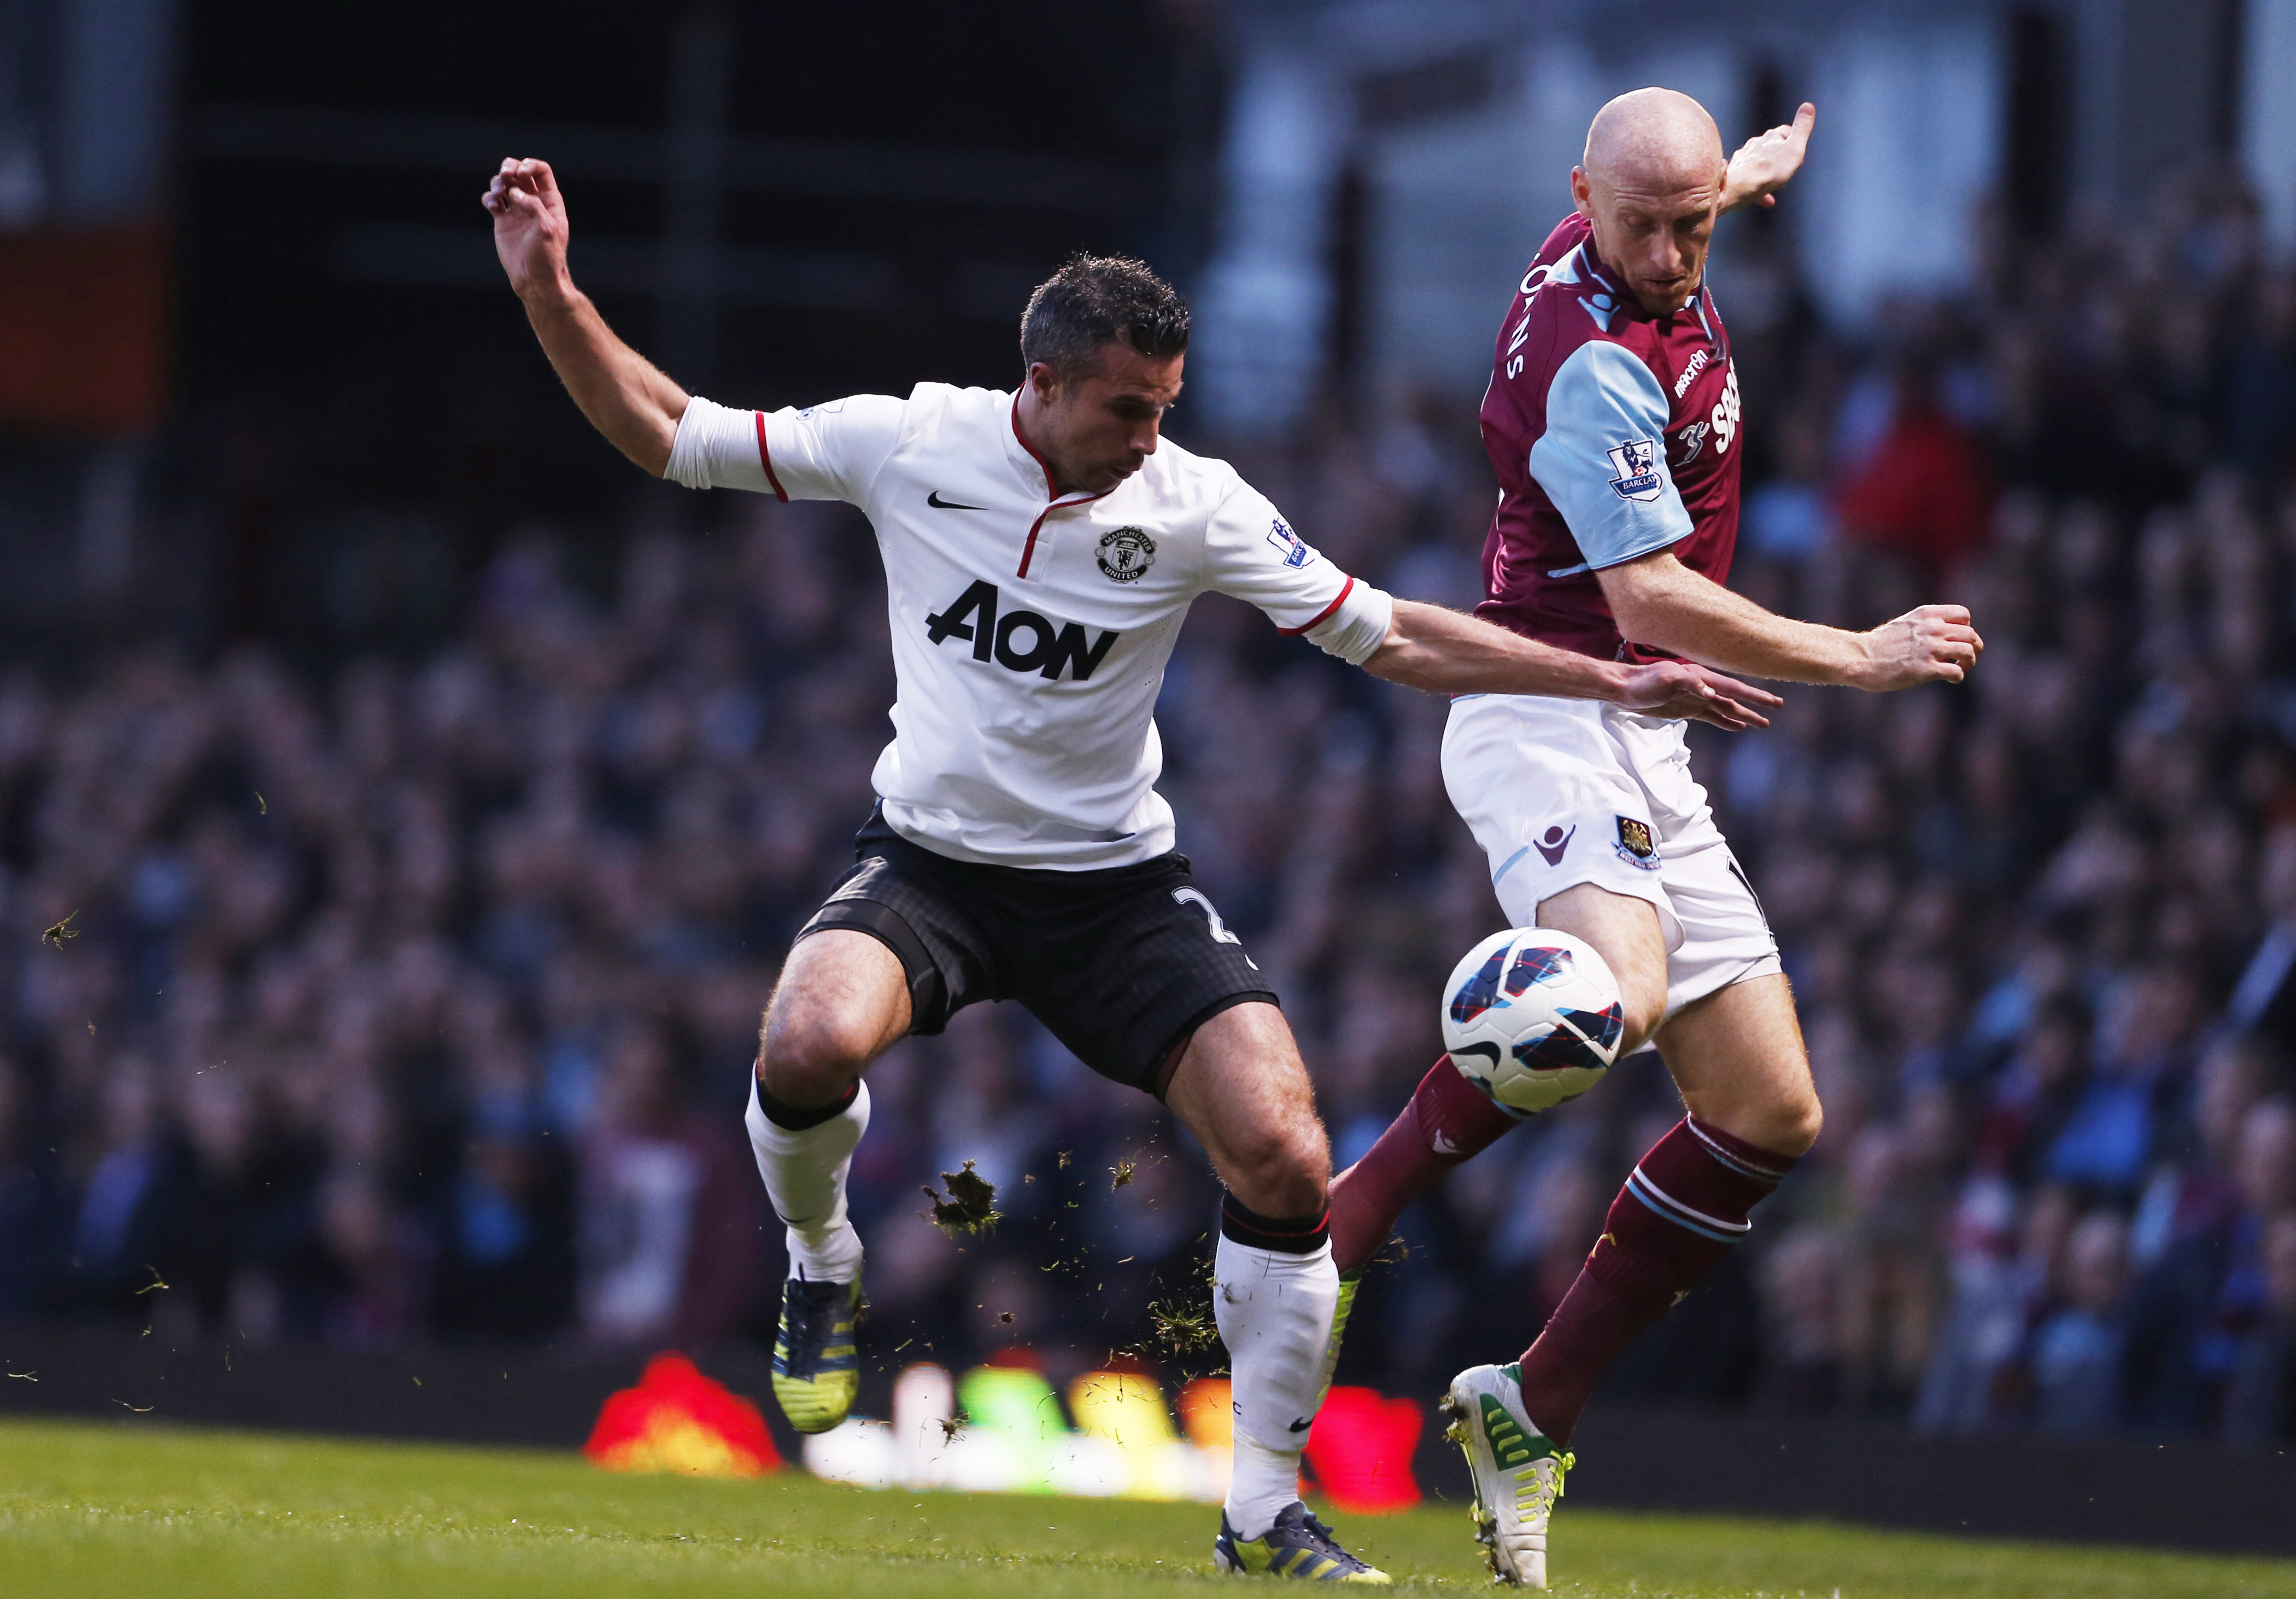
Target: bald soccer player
1612, 422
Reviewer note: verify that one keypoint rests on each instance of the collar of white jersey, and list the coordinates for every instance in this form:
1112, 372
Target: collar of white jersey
1029, 461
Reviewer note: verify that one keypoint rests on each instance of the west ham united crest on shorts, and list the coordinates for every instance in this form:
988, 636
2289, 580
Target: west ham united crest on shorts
1126, 554
1634, 845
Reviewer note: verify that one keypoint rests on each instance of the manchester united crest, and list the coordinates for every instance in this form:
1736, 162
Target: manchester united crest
1126, 554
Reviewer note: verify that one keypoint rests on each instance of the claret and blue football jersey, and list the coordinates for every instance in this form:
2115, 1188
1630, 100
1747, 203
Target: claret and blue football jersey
1614, 434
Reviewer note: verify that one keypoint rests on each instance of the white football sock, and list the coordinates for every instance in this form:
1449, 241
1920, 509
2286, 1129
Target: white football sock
805, 1178
1274, 1312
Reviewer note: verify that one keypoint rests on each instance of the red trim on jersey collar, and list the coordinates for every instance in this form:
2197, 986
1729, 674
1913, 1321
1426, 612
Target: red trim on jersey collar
1029, 550
1322, 616
766, 454
1042, 465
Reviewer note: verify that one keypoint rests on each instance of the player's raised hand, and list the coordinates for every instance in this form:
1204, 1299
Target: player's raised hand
1765, 162
530, 228
1682, 692
1929, 643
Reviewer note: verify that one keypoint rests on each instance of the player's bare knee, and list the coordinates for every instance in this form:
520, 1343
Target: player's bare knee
1306, 1166
811, 1055
1799, 1120
1786, 1122
1642, 1011
1281, 1170
1642, 1004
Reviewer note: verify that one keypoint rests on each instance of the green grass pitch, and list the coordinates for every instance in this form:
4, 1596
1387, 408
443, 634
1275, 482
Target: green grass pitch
90, 1509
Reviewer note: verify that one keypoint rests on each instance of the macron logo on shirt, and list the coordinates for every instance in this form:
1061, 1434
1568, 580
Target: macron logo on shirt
1020, 640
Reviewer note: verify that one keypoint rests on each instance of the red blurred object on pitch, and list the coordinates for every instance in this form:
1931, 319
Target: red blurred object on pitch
1361, 1451
677, 1420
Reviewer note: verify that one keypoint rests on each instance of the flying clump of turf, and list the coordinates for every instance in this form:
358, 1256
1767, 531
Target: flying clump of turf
970, 1206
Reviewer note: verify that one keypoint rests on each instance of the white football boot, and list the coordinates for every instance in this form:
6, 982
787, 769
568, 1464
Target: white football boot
1518, 1471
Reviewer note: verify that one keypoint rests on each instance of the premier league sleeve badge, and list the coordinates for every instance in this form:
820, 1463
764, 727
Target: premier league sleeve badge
1636, 462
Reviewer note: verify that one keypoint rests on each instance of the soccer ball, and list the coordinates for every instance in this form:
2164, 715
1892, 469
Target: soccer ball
1533, 1018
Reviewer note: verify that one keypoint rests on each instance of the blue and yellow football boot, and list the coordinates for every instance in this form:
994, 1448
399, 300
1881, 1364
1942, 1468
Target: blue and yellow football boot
1297, 1545
817, 1371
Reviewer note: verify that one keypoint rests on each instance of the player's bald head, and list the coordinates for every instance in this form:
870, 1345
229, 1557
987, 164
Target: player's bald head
1650, 187
1653, 142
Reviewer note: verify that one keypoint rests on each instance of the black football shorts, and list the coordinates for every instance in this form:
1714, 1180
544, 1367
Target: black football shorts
1122, 965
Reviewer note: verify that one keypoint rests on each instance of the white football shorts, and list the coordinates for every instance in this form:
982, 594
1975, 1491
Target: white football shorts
1560, 793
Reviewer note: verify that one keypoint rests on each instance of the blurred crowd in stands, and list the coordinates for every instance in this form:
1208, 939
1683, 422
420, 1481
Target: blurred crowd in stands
413, 998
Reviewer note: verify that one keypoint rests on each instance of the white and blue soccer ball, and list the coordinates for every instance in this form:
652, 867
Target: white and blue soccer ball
1533, 1018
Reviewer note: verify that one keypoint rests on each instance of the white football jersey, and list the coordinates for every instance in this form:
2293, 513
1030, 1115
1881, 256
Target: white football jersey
1030, 633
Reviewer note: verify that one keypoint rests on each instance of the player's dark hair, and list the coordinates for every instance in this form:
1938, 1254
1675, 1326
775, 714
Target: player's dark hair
1094, 300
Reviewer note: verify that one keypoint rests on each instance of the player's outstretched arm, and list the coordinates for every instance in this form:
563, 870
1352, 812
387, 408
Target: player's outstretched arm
1661, 602
1765, 162
1444, 653
626, 396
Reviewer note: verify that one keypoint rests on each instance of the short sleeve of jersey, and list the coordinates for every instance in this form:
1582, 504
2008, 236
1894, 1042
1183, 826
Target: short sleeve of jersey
1601, 459
825, 452
831, 451
1254, 555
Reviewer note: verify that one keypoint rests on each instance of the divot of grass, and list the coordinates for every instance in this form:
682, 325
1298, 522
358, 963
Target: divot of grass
971, 1203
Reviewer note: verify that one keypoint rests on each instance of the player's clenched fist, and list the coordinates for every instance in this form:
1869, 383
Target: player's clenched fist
1929, 643
529, 217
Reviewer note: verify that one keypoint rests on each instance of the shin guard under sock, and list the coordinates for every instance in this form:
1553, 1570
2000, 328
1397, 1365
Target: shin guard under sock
1275, 1291
1448, 1121
803, 1167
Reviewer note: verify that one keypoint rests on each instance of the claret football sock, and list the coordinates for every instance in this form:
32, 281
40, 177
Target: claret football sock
1681, 1211
804, 1166
1448, 1120
1275, 1290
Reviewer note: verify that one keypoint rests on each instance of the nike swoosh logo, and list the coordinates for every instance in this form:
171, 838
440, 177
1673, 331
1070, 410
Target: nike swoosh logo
939, 504
1301, 1426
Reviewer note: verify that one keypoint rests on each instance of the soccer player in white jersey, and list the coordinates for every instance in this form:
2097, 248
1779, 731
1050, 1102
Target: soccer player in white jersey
1041, 548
